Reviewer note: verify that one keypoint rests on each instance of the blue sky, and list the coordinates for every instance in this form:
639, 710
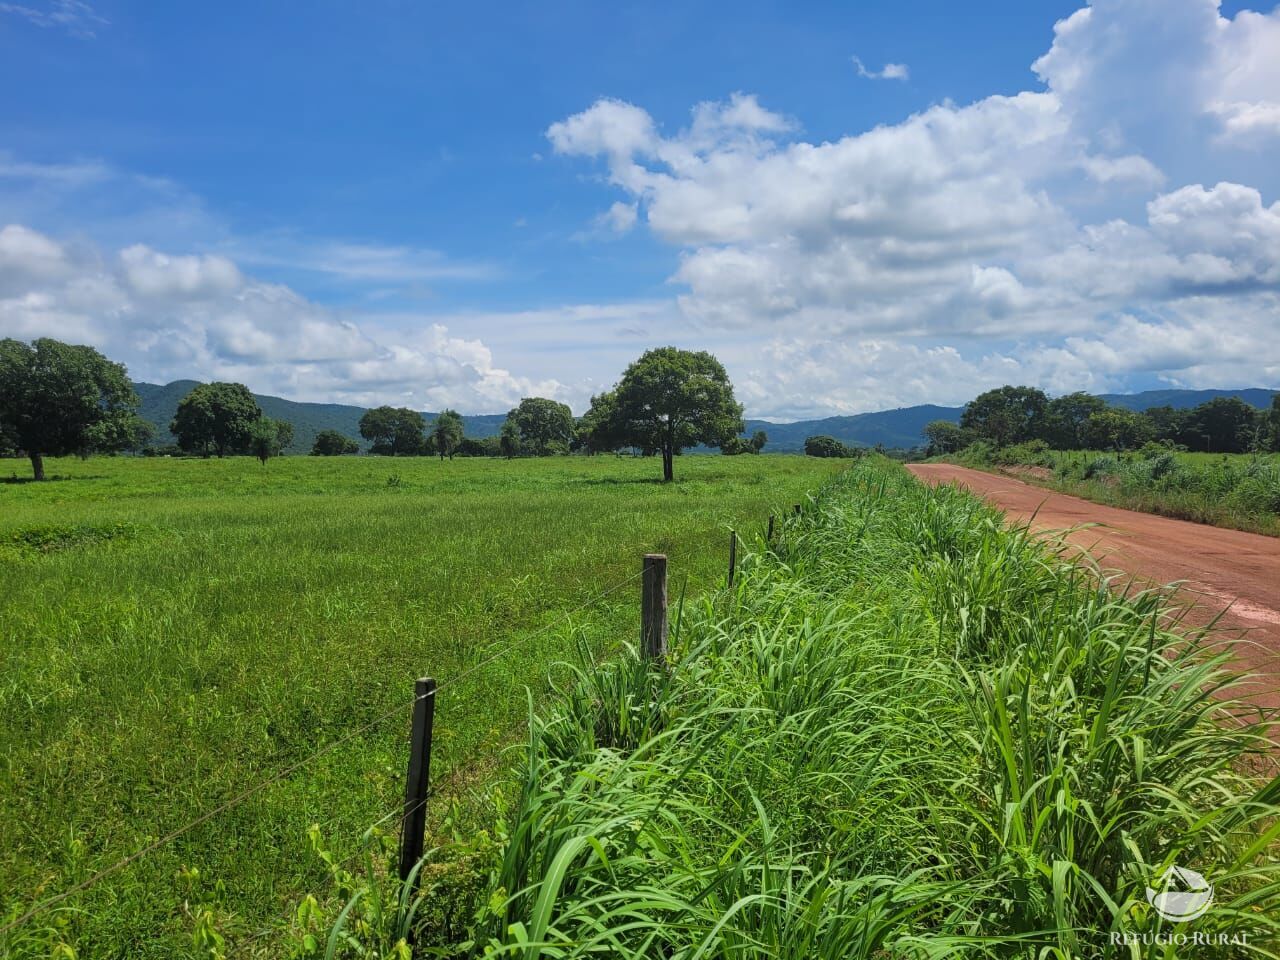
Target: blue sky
395, 202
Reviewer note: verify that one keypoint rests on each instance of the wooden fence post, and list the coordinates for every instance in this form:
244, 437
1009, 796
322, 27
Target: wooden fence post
417, 784
768, 537
653, 607
733, 554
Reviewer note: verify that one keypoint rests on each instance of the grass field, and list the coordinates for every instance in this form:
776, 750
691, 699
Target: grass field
1241, 491
908, 731
174, 630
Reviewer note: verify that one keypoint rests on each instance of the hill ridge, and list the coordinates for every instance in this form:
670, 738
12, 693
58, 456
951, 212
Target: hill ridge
897, 427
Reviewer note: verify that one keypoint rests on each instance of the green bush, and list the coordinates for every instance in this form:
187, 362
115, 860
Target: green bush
1035, 453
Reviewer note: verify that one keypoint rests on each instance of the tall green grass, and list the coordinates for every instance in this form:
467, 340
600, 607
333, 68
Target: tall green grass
174, 631
1241, 491
908, 730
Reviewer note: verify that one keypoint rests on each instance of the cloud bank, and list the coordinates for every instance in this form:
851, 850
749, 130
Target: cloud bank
174, 316
1114, 226
1048, 236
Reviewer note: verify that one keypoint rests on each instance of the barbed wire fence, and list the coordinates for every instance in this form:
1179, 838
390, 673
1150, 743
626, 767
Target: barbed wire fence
419, 789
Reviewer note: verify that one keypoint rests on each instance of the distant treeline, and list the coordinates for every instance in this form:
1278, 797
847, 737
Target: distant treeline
1080, 421
59, 399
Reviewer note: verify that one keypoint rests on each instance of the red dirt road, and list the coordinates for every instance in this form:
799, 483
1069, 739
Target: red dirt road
1219, 569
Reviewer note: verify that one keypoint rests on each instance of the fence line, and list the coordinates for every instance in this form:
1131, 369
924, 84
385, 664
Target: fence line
653, 622
280, 775
203, 818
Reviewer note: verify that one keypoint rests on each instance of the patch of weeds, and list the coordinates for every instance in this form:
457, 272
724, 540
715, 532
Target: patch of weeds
52, 537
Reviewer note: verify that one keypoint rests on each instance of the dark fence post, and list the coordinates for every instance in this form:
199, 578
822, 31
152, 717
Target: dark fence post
417, 784
653, 607
768, 537
733, 554
797, 509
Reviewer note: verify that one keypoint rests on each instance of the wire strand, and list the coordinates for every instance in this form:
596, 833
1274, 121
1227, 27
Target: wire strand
510, 645
203, 818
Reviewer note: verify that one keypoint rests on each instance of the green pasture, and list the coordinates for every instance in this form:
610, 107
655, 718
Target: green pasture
176, 630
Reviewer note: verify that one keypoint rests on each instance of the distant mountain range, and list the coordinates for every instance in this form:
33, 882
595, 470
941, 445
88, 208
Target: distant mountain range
893, 428
1183, 399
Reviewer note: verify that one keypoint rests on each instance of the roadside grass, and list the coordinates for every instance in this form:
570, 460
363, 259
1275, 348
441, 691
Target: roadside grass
1239, 491
175, 631
909, 731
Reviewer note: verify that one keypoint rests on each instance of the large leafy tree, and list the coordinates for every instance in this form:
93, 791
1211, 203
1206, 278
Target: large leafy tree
824, 446
598, 430
58, 398
944, 436
1006, 414
331, 443
394, 431
1115, 428
509, 439
736, 446
446, 433
1221, 425
672, 399
545, 426
216, 418
1168, 423
1066, 417
268, 438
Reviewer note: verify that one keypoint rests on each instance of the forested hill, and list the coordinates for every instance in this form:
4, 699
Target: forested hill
893, 428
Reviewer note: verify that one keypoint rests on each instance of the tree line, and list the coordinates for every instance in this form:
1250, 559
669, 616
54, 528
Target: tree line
1081, 421
59, 399
666, 402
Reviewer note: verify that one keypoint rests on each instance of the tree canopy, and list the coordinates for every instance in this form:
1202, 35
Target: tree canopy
1272, 431
394, 431
1079, 421
58, 399
735, 446
544, 426
944, 436
509, 439
670, 400
824, 446
599, 430
446, 433
332, 443
1065, 419
215, 418
1115, 429
1221, 425
1006, 414
268, 438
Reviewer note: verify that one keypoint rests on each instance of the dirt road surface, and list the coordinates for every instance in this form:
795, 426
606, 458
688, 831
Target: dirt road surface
1220, 570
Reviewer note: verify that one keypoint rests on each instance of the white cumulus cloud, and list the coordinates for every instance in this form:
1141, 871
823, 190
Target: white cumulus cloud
198, 315
1050, 235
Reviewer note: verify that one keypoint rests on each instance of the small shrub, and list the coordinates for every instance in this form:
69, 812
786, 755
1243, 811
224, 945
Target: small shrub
1100, 467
